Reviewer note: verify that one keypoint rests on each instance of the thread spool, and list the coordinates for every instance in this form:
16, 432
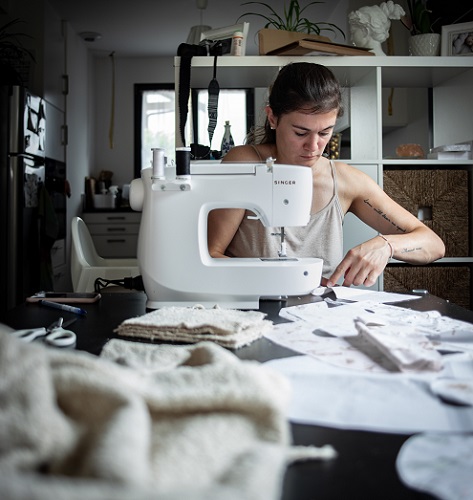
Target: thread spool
158, 163
183, 161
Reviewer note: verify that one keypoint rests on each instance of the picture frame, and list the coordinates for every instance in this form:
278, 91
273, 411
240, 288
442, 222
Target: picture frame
457, 40
227, 33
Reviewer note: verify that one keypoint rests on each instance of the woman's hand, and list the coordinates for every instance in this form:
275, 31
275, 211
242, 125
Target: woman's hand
363, 264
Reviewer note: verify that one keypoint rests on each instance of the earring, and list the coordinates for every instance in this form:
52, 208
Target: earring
273, 128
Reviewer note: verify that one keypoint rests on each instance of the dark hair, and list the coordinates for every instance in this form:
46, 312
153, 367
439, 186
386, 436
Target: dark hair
302, 85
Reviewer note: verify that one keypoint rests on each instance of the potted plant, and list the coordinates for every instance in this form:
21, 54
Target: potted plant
425, 40
15, 59
291, 25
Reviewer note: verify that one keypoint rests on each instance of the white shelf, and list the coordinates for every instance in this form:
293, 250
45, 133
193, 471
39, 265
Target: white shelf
260, 70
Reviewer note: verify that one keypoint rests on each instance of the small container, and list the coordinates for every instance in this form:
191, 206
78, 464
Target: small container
237, 44
104, 200
227, 140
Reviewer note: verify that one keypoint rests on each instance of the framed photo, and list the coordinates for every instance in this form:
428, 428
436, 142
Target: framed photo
227, 33
457, 40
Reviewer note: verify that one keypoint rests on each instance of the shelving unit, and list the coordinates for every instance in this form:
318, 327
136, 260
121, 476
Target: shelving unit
440, 87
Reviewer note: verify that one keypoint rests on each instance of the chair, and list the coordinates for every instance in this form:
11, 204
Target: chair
87, 265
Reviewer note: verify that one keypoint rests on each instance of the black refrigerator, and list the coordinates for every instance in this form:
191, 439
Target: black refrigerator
28, 222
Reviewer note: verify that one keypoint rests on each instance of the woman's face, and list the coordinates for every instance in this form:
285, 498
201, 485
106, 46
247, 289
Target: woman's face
301, 136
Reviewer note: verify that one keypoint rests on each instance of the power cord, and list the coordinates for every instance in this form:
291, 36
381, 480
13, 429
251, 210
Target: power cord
129, 283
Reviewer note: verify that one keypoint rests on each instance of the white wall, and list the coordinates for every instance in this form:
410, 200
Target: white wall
117, 155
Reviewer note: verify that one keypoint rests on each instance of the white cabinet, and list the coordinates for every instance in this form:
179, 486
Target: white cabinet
115, 234
431, 98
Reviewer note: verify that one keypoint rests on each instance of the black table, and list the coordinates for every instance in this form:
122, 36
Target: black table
364, 468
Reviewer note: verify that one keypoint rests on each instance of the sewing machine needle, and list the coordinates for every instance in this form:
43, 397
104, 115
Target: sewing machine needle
282, 252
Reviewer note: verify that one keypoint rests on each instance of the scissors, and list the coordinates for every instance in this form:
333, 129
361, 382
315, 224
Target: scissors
54, 334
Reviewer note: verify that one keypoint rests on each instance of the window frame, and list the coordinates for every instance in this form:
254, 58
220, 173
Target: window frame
140, 88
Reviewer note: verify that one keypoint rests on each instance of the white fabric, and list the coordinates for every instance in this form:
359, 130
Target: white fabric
141, 422
407, 349
227, 327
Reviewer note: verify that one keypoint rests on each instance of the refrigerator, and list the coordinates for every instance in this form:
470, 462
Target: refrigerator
28, 222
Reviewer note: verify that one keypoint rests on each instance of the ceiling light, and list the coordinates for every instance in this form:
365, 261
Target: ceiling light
196, 31
90, 36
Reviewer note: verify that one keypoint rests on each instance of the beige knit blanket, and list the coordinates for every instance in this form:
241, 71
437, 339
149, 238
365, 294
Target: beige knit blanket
141, 422
227, 327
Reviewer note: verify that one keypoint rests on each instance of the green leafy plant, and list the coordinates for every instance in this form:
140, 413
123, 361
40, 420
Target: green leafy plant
419, 18
291, 19
13, 54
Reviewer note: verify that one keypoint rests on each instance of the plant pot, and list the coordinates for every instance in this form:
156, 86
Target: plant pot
427, 44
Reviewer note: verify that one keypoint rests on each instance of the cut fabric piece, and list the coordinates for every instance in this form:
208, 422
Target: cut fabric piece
227, 327
408, 350
439, 464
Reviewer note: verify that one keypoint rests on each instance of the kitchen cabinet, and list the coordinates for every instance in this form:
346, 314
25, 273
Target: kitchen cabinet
115, 233
55, 147
437, 88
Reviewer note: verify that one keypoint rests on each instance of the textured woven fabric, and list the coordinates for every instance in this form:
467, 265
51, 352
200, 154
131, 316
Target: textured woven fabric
227, 327
141, 422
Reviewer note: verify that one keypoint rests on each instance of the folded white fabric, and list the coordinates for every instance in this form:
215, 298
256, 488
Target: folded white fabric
407, 349
227, 327
142, 422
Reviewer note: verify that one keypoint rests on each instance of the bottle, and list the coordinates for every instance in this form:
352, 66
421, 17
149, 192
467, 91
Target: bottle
237, 42
227, 140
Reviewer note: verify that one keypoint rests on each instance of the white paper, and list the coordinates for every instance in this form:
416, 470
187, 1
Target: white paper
446, 333
359, 294
324, 394
439, 464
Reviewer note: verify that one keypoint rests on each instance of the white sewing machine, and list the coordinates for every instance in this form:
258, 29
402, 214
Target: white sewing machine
173, 256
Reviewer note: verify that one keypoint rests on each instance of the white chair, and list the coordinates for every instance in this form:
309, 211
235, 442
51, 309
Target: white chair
87, 265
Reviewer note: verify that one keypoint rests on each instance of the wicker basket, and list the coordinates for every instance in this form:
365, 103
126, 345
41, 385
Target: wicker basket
443, 193
450, 282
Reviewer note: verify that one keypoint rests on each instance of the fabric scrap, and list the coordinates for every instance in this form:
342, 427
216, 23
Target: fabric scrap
227, 327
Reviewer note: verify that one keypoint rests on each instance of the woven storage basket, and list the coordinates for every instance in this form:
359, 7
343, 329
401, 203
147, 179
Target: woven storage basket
445, 193
450, 282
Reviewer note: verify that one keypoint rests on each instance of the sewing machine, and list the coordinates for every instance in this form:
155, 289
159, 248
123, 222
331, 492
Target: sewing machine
173, 256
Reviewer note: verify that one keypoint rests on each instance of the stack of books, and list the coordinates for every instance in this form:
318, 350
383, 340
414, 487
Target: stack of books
459, 151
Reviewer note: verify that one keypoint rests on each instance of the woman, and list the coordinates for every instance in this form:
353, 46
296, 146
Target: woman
304, 104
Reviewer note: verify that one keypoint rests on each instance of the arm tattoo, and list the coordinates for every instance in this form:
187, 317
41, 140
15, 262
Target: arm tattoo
408, 250
384, 216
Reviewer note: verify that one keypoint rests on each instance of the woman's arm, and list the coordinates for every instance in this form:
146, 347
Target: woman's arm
223, 223
406, 238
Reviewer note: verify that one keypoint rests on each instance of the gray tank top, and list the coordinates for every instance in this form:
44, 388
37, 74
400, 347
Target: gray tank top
322, 237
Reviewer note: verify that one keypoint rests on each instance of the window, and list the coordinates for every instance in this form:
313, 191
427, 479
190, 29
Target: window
155, 119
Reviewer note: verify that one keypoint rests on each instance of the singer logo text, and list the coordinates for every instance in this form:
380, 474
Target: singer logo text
284, 183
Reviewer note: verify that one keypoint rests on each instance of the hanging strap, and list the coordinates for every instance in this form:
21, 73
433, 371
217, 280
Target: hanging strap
186, 52
212, 106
